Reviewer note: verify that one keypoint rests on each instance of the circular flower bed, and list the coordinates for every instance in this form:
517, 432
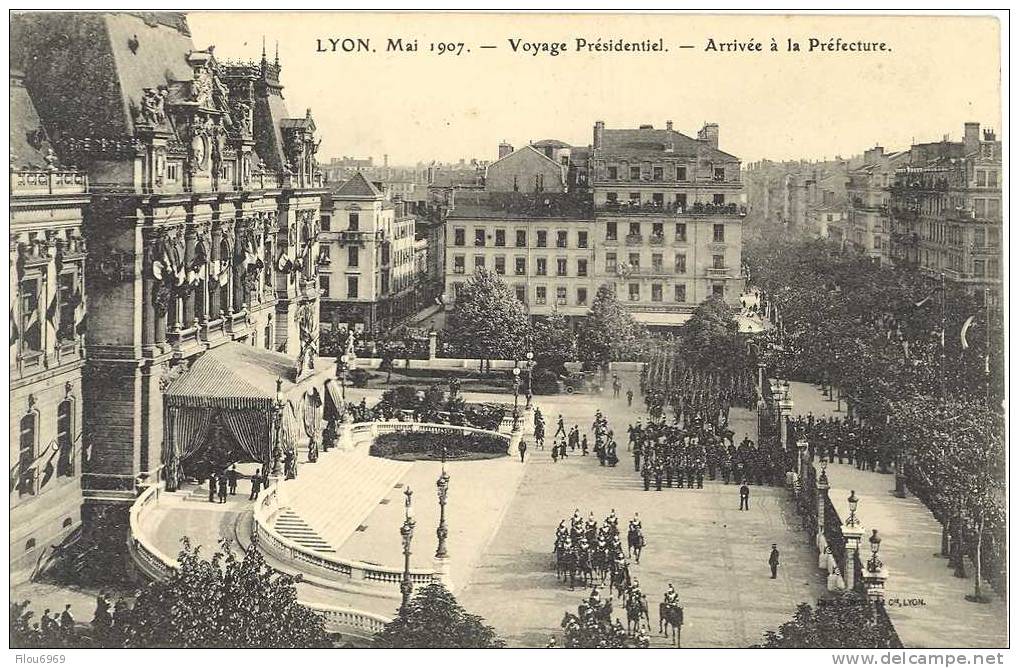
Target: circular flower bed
410, 446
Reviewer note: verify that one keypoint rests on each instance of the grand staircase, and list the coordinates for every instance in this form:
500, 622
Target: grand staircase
332, 497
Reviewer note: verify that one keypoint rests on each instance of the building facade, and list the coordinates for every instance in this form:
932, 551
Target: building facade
200, 227
47, 346
653, 213
946, 210
668, 219
368, 275
867, 225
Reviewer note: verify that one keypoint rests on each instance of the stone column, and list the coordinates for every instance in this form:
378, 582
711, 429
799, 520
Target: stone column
801, 453
190, 236
214, 256
240, 238
433, 343
148, 297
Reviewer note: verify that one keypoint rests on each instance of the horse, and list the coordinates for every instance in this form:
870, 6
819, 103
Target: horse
583, 567
636, 610
635, 542
670, 615
566, 564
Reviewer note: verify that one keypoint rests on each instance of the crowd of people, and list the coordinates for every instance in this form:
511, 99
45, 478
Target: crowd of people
834, 439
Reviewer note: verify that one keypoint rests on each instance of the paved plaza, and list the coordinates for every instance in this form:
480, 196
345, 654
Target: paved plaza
715, 555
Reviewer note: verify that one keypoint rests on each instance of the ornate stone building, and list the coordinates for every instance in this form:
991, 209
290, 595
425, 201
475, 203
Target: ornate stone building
47, 310
201, 223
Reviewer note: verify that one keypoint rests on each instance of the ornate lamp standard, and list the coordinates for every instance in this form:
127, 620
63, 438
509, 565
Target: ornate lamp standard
853, 520
874, 564
530, 366
516, 398
442, 488
407, 534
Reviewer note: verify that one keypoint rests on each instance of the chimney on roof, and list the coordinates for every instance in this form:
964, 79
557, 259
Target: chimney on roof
873, 154
385, 160
668, 125
971, 136
599, 134
505, 149
709, 134
989, 135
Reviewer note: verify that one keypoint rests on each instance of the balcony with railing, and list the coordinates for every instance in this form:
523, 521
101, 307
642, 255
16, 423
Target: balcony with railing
671, 208
719, 272
355, 237
634, 239
48, 182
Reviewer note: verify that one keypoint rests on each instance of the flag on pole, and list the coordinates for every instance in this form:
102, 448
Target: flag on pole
927, 298
965, 328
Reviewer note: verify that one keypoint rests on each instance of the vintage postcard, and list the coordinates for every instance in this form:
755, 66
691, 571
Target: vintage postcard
508, 330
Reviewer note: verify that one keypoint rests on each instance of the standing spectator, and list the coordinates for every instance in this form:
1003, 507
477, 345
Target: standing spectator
256, 485
744, 496
773, 561
67, 620
232, 476
212, 487
222, 488
523, 450
629, 398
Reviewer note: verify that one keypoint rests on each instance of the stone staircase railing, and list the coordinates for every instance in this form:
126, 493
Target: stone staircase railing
154, 564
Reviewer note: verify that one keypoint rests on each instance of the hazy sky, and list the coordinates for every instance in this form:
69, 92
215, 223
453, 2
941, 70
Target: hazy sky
939, 73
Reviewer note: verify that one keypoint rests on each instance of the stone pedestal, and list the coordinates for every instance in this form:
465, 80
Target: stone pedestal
852, 535
874, 583
433, 343
801, 453
442, 569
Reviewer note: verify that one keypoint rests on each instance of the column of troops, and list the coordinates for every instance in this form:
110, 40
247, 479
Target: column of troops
842, 441
684, 453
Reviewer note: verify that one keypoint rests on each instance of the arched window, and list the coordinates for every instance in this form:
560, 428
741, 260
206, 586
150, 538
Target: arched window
26, 454
65, 437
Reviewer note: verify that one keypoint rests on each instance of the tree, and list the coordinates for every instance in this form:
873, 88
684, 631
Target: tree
488, 320
710, 338
847, 621
434, 620
225, 601
608, 330
553, 342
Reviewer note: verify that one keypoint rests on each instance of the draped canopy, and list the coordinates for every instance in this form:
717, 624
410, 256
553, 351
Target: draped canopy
230, 394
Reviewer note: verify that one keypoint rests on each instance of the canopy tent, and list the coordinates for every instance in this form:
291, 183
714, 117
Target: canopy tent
242, 403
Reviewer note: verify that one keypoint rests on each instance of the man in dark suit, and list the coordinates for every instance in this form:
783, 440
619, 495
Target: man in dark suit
256, 485
212, 487
773, 561
744, 496
231, 477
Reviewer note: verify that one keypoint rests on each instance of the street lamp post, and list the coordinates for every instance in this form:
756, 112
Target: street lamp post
407, 534
853, 520
516, 398
442, 487
530, 366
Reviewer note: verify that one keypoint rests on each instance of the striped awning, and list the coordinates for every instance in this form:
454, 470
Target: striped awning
233, 375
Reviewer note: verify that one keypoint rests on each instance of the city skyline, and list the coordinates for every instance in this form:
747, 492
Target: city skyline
806, 106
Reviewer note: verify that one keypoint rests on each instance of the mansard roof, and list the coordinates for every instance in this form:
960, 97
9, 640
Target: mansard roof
359, 187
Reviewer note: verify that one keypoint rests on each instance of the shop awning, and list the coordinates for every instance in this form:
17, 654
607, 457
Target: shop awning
662, 319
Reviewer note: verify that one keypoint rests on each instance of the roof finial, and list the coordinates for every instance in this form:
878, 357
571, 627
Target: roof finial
263, 48
277, 60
